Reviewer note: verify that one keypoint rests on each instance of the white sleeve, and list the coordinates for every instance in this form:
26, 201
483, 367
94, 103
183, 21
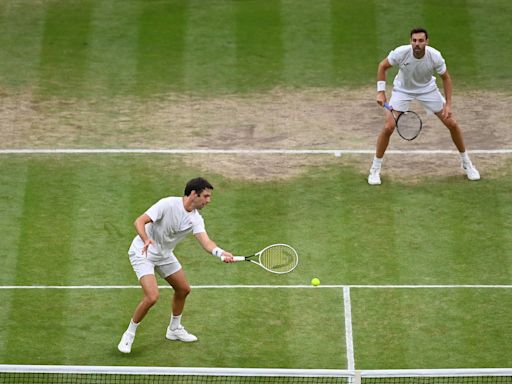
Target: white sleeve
156, 211
440, 65
198, 224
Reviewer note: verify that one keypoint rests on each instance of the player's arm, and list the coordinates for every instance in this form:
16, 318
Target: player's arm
210, 247
140, 226
384, 65
447, 86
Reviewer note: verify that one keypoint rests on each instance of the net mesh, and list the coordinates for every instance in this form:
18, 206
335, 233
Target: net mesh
408, 125
148, 375
279, 258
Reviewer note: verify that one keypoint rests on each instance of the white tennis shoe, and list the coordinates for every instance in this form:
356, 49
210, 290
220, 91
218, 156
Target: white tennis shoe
374, 176
180, 334
125, 345
471, 171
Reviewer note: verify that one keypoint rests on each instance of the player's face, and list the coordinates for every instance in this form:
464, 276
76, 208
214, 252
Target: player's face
419, 41
204, 198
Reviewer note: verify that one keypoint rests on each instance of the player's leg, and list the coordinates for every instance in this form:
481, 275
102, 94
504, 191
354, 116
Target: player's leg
434, 102
181, 287
144, 269
400, 102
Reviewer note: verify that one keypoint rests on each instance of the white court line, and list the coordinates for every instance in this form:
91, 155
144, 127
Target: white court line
349, 340
249, 286
335, 152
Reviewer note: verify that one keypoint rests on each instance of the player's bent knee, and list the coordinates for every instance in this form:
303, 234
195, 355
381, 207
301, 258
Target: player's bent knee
151, 298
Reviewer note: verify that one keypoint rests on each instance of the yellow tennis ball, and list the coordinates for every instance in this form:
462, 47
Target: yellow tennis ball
315, 281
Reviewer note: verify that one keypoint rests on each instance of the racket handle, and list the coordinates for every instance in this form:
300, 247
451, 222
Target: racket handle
235, 258
387, 106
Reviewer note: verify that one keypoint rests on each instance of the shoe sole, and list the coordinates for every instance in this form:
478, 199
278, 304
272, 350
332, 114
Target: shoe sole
175, 338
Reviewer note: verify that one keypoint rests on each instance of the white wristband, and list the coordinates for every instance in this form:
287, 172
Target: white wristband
217, 252
381, 86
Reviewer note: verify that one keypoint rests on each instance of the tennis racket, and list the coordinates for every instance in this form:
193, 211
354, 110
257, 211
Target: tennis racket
408, 124
276, 258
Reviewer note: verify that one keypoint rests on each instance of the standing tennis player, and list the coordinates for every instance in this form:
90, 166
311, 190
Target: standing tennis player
415, 81
159, 230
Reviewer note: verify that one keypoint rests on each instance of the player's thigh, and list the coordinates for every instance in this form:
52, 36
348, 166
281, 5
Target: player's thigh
433, 101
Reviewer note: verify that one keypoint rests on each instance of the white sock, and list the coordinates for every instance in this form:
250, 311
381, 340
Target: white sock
377, 162
132, 327
175, 322
464, 157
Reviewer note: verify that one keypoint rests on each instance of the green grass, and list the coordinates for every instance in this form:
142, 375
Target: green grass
67, 221
148, 48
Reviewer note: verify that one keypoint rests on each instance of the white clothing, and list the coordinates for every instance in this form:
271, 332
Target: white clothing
415, 76
143, 266
171, 224
433, 102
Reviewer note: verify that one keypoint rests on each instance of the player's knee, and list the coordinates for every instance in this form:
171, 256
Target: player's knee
183, 291
388, 129
151, 298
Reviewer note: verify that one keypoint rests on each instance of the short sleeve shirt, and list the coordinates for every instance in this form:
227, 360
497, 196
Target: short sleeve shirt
416, 76
171, 224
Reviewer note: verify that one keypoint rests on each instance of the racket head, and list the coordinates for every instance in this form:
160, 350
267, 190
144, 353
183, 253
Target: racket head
408, 125
278, 258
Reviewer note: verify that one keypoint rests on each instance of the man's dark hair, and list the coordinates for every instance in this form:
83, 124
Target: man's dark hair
198, 184
419, 30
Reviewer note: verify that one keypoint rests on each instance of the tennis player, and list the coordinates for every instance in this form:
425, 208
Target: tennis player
418, 63
159, 230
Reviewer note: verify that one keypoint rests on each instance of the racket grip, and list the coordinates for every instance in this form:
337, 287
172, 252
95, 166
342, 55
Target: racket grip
235, 258
387, 106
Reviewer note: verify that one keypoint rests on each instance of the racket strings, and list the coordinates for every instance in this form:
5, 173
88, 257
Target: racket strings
279, 259
409, 125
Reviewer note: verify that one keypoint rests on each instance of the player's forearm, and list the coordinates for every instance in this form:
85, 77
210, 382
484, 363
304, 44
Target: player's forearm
447, 87
140, 228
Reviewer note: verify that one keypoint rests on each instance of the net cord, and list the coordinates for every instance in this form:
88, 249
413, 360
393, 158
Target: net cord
196, 371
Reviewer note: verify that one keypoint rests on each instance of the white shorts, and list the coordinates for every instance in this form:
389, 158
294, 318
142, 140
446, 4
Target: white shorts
147, 265
433, 102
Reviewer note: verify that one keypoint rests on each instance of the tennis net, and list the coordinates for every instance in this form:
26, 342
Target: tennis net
43, 374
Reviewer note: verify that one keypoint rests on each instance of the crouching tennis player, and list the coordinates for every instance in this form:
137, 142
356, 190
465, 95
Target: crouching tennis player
159, 230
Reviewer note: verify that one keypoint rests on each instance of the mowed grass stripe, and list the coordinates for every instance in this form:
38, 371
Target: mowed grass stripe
65, 48
259, 45
307, 41
21, 26
44, 249
12, 192
354, 42
431, 328
112, 47
492, 34
161, 46
210, 47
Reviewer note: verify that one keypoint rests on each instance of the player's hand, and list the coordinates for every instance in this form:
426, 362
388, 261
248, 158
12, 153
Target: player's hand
227, 257
147, 243
381, 98
447, 112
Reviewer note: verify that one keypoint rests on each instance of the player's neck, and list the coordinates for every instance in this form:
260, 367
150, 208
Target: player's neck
187, 203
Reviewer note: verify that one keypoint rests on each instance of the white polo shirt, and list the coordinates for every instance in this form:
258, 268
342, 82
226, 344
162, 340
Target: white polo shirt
415, 76
171, 224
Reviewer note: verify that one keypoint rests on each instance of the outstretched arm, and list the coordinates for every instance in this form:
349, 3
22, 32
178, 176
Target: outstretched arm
210, 247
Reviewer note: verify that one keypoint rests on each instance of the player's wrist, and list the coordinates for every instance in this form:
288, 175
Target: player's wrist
381, 86
217, 252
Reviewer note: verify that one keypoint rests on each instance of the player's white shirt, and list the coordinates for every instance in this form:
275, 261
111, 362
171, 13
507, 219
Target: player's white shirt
415, 76
171, 224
